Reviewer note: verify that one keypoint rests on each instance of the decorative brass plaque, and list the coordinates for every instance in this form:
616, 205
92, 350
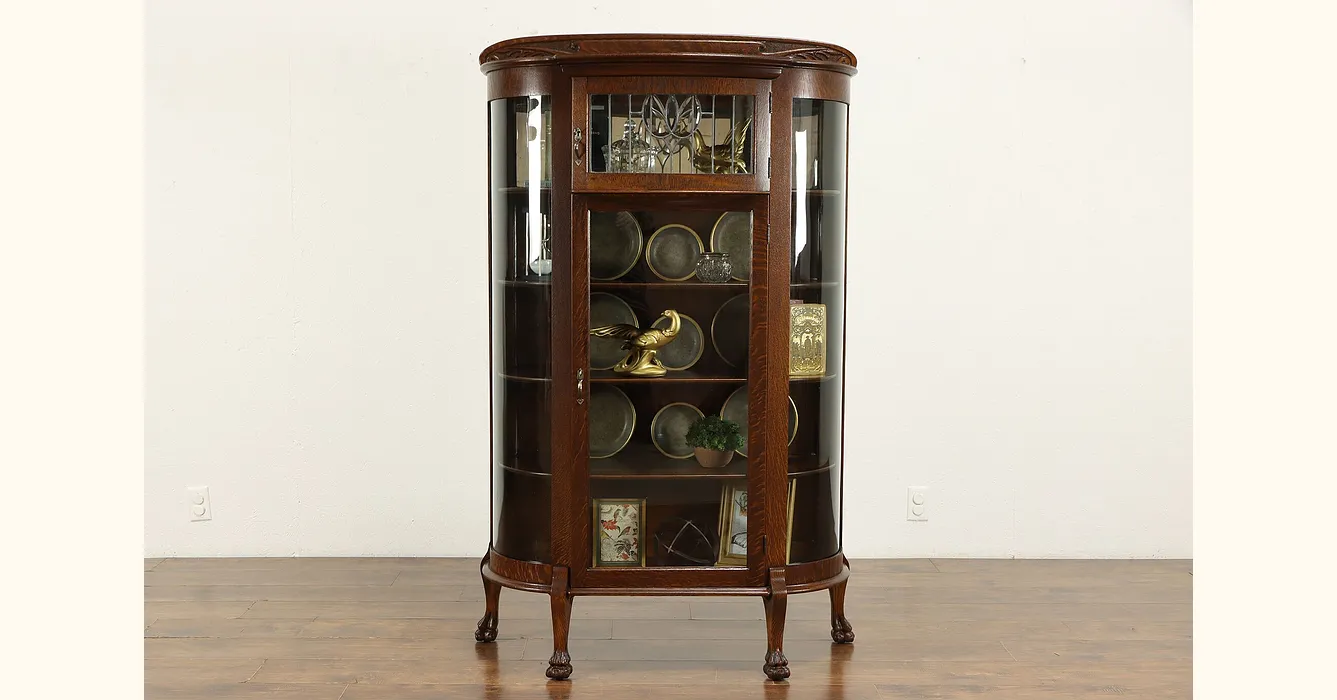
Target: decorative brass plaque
807, 340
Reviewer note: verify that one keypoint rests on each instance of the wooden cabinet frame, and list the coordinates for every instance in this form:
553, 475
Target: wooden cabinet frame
568, 69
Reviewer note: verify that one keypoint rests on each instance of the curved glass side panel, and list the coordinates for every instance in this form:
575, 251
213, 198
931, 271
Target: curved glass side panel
817, 325
521, 271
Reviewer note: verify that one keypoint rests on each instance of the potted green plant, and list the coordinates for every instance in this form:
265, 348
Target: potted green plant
714, 440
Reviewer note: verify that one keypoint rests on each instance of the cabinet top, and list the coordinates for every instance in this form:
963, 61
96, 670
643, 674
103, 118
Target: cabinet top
666, 48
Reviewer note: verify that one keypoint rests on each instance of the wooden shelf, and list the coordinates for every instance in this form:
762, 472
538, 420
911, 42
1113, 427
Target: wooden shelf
640, 461
689, 284
523, 190
683, 377
645, 462
537, 282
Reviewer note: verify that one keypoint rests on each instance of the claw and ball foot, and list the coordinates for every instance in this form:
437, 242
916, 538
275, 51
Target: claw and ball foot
559, 666
487, 628
842, 632
777, 666
487, 625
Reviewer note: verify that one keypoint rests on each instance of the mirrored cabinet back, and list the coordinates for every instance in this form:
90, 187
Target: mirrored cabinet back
667, 282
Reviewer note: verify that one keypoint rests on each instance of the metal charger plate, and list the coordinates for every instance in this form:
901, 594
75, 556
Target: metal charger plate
672, 251
615, 244
611, 418
735, 409
668, 429
732, 234
728, 331
607, 309
683, 351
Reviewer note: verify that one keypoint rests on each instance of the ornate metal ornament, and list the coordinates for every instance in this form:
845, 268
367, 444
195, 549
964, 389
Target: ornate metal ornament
670, 123
807, 340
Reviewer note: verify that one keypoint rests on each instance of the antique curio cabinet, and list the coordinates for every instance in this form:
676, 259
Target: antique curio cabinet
667, 242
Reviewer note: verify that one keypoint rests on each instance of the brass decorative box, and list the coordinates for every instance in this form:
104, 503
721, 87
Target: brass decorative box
807, 339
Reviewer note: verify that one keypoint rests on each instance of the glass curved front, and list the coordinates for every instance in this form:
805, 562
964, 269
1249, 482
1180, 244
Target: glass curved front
520, 145
817, 318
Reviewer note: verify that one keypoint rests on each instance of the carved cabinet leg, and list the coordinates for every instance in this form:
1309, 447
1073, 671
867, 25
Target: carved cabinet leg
559, 666
842, 632
487, 627
777, 666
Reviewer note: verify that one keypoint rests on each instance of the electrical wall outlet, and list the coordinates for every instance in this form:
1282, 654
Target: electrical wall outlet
200, 509
916, 503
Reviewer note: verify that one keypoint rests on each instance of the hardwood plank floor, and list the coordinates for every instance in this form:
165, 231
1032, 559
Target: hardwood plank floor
402, 629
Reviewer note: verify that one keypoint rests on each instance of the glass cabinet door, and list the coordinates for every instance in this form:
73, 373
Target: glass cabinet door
817, 332
668, 344
671, 134
521, 271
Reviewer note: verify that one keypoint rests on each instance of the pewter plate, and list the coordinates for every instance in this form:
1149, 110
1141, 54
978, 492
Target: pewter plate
668, 429
735, 409
612, 418
728, 331
733, 235
607, 309
683, 351
672, 251
615, 244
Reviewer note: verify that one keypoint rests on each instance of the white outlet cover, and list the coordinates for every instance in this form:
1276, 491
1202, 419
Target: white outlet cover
197, 498
916, 503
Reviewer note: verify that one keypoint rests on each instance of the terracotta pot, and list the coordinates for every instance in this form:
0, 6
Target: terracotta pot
712, 459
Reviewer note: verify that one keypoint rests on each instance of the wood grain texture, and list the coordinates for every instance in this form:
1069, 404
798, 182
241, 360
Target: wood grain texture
686, 50
1004, 641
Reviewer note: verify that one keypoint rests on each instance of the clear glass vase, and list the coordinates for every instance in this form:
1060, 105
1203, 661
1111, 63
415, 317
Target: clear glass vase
714, 268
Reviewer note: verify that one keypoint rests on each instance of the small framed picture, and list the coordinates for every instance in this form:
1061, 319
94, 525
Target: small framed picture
618, 524
733, 523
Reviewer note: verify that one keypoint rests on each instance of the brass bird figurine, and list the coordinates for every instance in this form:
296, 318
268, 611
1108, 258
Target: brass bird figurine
724, 158
641, 345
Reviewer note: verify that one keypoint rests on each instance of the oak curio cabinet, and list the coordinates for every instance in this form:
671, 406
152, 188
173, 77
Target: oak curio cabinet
615, 162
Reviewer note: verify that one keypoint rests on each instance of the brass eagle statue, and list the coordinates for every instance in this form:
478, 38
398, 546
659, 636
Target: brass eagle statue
642, 345
724, 158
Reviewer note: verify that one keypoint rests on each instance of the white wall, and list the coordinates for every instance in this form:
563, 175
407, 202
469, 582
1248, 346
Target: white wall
1019, 271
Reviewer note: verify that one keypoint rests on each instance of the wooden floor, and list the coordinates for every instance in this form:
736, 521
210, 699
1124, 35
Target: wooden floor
402, 629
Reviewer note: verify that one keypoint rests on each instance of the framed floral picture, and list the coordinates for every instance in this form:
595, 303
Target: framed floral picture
618, 524
733, 523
